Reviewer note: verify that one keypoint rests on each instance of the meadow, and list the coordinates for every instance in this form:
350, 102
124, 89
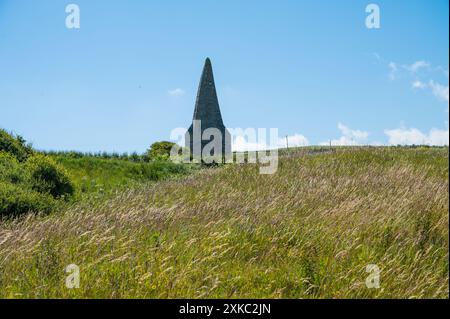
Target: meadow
308, 231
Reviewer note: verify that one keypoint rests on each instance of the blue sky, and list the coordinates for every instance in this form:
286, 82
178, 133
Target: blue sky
312, 69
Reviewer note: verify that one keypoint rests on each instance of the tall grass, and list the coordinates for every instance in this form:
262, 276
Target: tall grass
308, 231
97, 175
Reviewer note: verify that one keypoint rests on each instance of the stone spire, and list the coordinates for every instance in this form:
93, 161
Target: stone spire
207, 105
207, 114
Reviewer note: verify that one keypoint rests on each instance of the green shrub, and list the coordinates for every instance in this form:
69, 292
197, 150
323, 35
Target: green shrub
160, 150
10, 169
16, 201
16, 196
46, 176
32, 186
15, 145
28, 182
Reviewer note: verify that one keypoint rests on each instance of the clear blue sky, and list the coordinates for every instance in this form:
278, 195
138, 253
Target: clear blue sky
129, 75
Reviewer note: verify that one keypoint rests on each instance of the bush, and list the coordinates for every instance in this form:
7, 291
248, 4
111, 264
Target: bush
28, 182
14, 145
10, 169
160, 150
16, 197
16, 201
32, 186
46, 176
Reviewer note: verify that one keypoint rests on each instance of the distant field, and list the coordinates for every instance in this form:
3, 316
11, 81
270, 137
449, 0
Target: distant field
308, 231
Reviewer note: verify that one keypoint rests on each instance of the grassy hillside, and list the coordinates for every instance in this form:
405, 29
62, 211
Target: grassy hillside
95, 175
309, 231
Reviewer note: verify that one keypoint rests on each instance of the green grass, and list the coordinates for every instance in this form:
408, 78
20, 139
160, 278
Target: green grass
84, 177
308, 231
94, 175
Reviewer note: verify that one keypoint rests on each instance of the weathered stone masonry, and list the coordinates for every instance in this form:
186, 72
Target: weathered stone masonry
207, 111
